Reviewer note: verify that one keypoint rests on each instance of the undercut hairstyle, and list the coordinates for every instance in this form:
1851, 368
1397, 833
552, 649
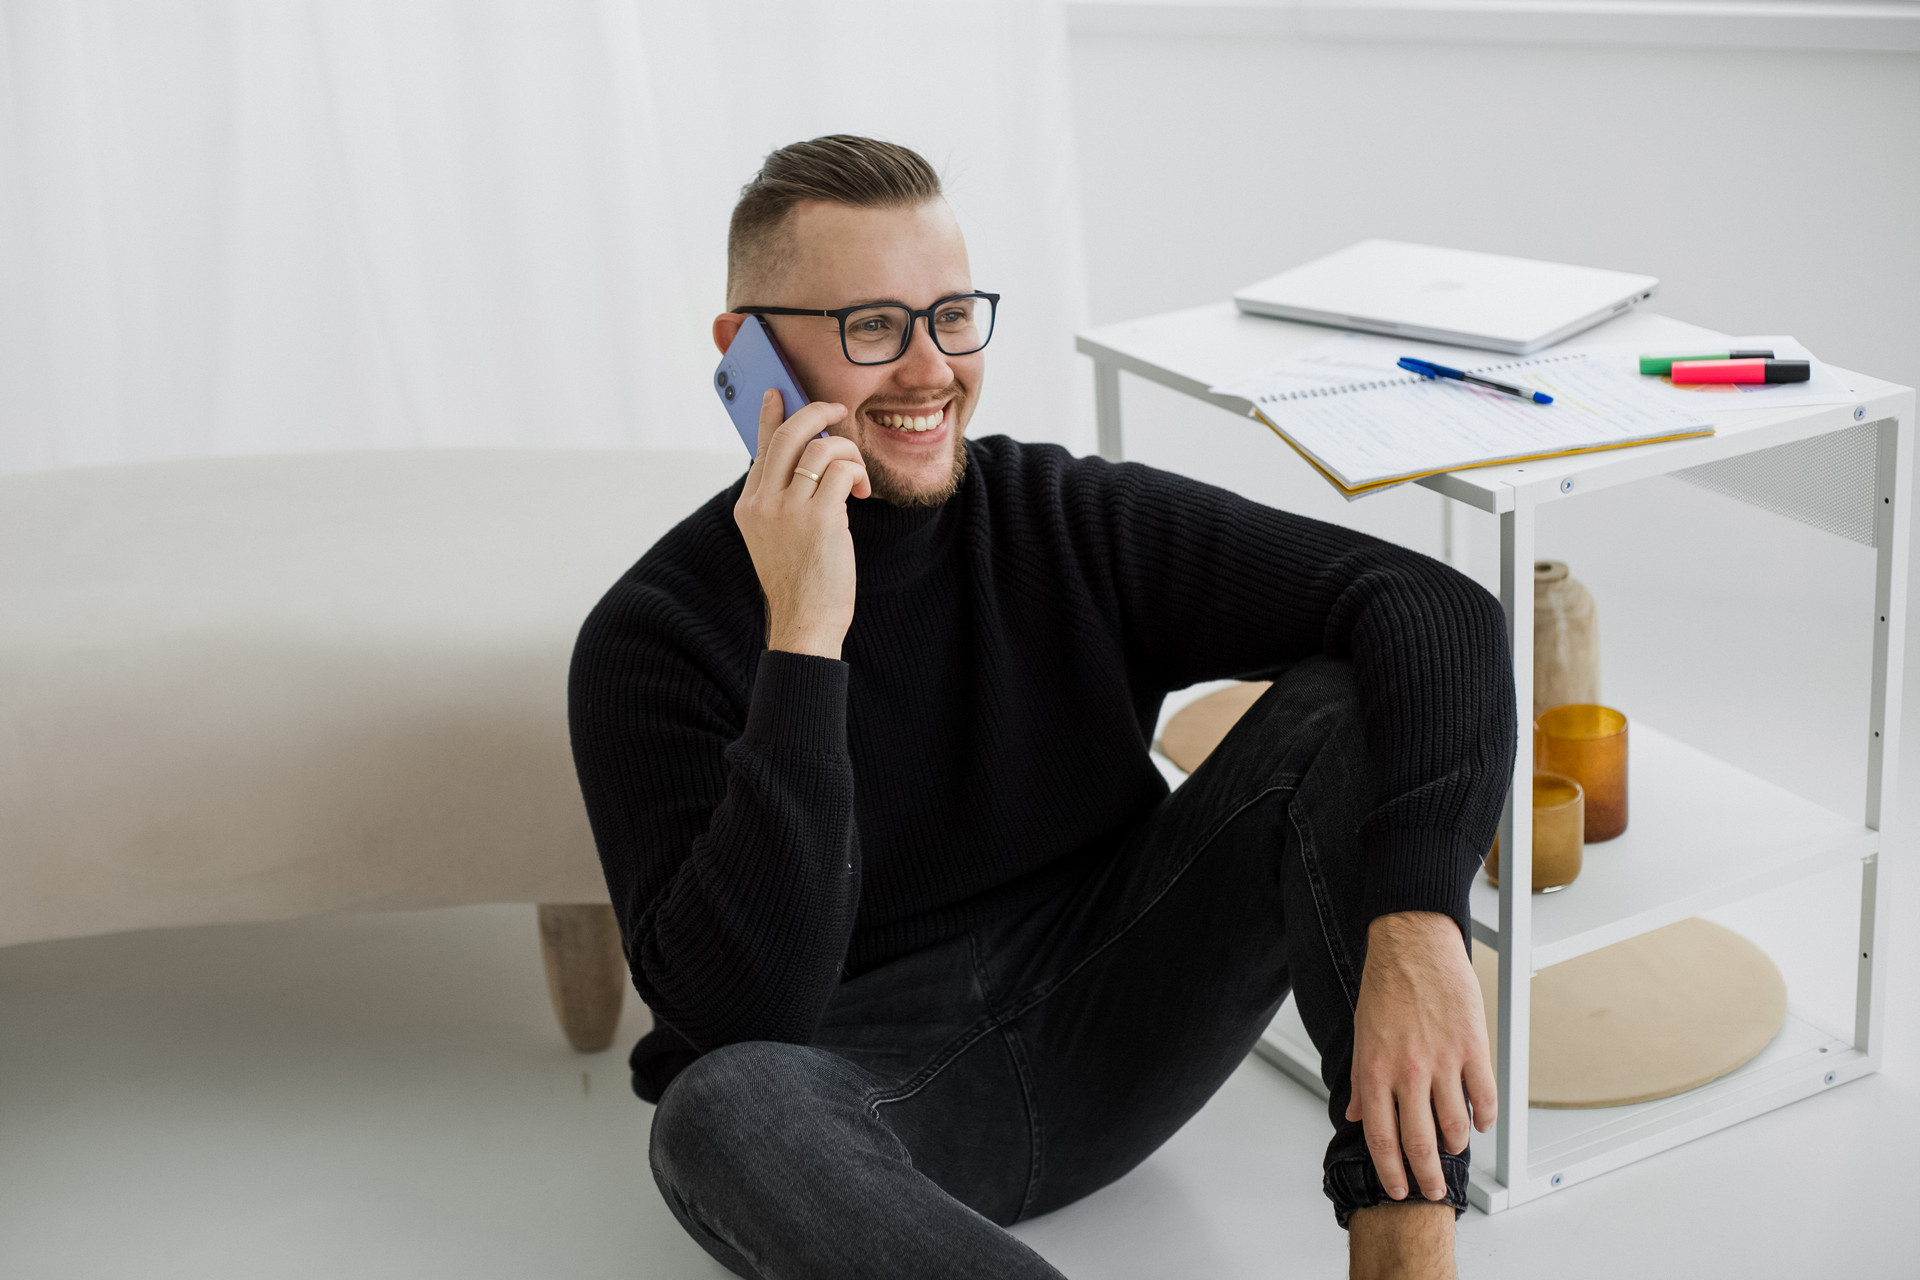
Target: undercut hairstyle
840, 169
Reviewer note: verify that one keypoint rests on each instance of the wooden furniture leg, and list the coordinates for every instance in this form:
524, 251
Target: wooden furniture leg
586, 971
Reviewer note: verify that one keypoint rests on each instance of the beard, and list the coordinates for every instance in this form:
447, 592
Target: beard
896, 490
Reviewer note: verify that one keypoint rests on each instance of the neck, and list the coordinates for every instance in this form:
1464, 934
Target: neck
894, 544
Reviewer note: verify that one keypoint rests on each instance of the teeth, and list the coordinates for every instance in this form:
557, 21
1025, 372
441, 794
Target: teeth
903, 422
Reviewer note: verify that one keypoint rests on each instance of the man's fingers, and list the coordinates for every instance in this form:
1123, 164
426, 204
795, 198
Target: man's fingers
841, 478
1418, 1140
1483, 1091
818, 455
769, 423
782, 449
1450, 1110
1378, 1122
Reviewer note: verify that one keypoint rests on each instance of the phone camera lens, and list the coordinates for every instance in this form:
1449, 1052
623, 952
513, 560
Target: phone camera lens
720, 378
729, 393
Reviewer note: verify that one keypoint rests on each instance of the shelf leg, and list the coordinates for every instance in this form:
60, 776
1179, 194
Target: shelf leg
1891, 530
1106, 408
1447, 556
1516, 857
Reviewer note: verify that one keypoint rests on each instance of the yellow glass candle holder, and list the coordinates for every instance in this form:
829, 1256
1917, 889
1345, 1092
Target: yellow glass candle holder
1588, 744
1558, 819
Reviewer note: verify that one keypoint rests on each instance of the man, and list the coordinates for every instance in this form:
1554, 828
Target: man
864, 742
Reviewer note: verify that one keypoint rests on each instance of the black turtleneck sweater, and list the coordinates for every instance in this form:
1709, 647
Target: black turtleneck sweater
770, 822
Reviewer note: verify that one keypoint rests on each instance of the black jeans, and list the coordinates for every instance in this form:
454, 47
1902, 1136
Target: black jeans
1008, 1072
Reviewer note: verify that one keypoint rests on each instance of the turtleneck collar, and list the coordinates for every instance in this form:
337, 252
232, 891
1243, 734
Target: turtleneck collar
895, 545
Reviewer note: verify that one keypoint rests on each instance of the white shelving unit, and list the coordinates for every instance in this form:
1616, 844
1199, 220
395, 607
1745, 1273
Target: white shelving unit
1703, 834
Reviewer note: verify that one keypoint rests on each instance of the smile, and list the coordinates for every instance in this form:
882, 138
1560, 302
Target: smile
926, 420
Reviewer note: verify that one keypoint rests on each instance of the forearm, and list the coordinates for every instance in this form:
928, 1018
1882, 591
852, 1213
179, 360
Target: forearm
746, 942
1436, 680
738, 909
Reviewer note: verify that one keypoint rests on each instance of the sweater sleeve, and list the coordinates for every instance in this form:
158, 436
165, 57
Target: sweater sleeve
726, 832
1210, 585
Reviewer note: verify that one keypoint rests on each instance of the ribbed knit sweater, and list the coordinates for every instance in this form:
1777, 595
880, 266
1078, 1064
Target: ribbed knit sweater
770, 822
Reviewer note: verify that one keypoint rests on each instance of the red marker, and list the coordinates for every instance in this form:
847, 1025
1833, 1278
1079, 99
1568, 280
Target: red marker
1695, 371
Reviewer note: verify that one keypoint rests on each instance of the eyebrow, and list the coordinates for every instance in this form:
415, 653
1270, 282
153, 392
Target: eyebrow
895, 302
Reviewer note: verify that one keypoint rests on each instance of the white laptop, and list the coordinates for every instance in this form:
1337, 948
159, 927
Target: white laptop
1452, 296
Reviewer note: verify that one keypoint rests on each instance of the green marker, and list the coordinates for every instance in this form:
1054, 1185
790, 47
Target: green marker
1664, 364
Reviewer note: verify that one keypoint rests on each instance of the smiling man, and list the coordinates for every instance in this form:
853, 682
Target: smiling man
864, 741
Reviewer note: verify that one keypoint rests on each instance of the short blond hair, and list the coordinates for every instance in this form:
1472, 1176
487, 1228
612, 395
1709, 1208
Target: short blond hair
840, 169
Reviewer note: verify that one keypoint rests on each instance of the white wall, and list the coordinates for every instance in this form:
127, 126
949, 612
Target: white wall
1208, 162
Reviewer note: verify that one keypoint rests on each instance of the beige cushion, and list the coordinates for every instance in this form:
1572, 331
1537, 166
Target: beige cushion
261, 688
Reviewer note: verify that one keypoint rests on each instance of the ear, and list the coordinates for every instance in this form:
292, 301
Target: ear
725, 326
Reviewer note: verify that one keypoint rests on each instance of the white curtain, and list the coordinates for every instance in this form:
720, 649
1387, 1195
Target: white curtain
247, 226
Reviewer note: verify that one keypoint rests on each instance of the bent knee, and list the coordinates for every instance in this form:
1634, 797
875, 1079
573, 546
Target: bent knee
742, 1097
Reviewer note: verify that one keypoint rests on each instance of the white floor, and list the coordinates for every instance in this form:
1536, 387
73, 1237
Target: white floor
387, 1096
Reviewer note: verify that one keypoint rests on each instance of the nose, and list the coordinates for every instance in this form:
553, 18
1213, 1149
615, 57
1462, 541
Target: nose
924, 364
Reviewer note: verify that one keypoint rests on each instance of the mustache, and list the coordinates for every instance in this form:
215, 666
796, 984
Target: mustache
953, 391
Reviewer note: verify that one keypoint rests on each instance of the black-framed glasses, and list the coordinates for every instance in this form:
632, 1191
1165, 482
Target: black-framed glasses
879, 332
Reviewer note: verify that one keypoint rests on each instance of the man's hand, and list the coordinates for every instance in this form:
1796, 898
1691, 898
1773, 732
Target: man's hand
795, 526
1419, 1032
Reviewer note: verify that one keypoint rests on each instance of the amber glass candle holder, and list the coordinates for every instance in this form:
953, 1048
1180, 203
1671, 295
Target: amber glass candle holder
1589, 745
1558, 819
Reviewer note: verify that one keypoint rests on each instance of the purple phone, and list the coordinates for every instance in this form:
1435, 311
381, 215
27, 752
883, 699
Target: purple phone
752, 364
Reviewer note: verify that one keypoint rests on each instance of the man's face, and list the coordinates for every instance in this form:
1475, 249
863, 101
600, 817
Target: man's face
841, 256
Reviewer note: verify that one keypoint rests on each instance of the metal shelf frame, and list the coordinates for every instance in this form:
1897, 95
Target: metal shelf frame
1825, 466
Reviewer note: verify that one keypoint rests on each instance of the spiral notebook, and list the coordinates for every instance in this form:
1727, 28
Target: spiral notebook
1366, 425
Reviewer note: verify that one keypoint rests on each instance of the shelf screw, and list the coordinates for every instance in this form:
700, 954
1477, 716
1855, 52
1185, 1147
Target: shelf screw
1829, 1078
1555, 1180
1566, 486
1859, 412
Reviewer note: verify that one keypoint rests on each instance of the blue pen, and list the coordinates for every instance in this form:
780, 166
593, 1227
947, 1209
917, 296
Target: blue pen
1427, 370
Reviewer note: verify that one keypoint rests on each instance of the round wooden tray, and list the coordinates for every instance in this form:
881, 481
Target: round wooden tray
1646, 1018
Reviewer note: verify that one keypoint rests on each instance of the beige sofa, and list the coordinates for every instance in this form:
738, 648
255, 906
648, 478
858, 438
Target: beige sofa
263, 688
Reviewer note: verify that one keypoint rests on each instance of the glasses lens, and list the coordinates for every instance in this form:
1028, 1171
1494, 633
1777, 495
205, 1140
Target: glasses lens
962, 326
875, 335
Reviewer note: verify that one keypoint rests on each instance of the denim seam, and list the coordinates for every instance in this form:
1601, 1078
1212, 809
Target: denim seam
1040, 993
1323, 907
1023, 1071
935, 1065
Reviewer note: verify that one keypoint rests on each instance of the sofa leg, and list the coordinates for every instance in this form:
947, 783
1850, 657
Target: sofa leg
586, 972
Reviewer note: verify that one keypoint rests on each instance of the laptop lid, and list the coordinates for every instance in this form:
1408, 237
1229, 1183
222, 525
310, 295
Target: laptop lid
1457, 296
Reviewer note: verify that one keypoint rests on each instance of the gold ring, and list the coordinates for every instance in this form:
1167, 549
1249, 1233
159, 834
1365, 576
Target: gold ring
802, 471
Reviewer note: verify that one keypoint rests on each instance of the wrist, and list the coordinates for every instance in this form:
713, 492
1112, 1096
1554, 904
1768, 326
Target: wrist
1410, 937
819, 643
1410, 924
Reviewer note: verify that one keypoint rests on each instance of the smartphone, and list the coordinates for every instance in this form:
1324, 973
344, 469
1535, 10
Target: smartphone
752, 364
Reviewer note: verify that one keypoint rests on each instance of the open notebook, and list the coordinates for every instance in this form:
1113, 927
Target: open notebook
1367, 425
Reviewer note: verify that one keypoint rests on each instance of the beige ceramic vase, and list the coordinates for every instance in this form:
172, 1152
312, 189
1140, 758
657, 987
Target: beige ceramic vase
1566, 639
